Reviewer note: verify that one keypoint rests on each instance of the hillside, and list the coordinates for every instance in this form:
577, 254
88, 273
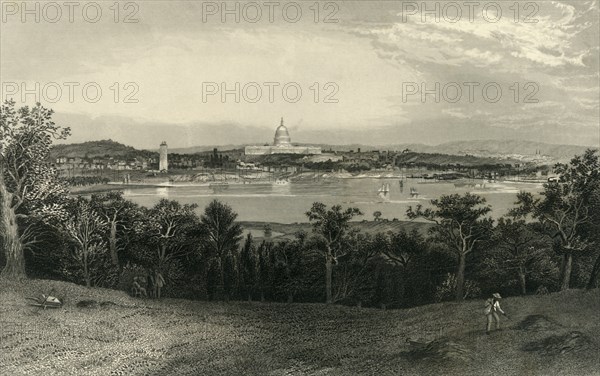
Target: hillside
93, 149
102, 332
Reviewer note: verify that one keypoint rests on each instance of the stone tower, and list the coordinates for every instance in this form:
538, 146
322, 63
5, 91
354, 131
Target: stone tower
163, 164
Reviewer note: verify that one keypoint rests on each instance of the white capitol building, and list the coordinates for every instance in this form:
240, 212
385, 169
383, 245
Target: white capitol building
282, 144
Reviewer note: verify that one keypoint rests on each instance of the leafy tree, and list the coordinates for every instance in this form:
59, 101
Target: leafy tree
593, 232
564, 208
230, 275
167, 232
222, 234
249, 267
27, 183
377, 215
518, 251
351, 271
460, 224
291, 269
265, 269
85, 228
402, 247
268, 231
331, 226
117, 212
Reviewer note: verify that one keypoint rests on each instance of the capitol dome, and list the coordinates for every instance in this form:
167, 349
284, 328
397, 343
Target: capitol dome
282, 137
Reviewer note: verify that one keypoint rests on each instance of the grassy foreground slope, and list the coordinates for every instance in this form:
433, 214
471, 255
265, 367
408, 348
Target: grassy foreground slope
111, 333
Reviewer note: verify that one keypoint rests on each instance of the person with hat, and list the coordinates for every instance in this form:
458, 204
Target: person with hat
492, 307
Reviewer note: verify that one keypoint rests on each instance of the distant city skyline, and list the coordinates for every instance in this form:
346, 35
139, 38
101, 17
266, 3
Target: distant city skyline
367, 73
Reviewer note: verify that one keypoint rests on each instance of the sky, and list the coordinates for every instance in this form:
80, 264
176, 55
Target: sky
370, 72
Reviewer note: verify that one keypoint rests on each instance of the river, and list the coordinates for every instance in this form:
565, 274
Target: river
288, 203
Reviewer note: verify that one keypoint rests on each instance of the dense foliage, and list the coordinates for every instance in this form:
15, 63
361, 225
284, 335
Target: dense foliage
546, 243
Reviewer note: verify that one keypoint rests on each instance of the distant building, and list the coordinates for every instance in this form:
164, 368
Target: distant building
282, 144
163, 164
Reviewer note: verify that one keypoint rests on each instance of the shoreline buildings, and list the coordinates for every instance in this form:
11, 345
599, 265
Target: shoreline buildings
282, 144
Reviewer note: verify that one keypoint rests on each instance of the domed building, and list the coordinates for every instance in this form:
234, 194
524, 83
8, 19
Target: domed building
282, 136
282, 144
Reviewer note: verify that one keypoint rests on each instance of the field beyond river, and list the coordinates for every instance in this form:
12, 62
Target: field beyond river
106, 332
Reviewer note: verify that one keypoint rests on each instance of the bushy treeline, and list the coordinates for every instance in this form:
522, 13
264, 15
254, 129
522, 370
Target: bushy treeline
546, 243
77, 181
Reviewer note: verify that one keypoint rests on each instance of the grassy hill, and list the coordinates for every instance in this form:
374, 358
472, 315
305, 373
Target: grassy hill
105, 332
96, 149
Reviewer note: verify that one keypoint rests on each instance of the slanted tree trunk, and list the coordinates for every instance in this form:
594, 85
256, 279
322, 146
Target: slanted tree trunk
9, 230
522, 281
460, 277
567, 266
328, 276
594, 275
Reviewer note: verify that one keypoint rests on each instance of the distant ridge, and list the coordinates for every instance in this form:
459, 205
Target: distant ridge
485, 148
478, 148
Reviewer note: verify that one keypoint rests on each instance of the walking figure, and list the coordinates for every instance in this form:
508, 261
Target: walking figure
492, 307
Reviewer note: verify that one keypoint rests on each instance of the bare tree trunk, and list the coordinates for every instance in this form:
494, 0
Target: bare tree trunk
566, 271
112, 243
328, 275
594, 275
9, 230
522, 281
460, 277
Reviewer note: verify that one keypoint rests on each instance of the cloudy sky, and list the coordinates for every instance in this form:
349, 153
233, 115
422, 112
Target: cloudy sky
493, 71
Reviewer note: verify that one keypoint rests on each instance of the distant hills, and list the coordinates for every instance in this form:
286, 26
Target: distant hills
480, 148
507, 150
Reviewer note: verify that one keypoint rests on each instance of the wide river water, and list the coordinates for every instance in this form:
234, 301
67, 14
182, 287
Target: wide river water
288, 203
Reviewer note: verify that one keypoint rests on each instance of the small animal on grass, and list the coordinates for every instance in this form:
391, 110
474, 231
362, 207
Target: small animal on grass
492, 308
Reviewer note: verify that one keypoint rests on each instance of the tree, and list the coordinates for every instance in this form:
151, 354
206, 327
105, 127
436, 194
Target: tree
268, 231
117, 212
593, 232
27, 183
265, 268
377, 215
331, 226
352, 269
222, 234
167, 232
518, 248
564, 209
402, 247
85, 228
249, 267
460, 224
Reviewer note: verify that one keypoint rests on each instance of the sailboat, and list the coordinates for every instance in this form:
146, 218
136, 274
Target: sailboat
384, 192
